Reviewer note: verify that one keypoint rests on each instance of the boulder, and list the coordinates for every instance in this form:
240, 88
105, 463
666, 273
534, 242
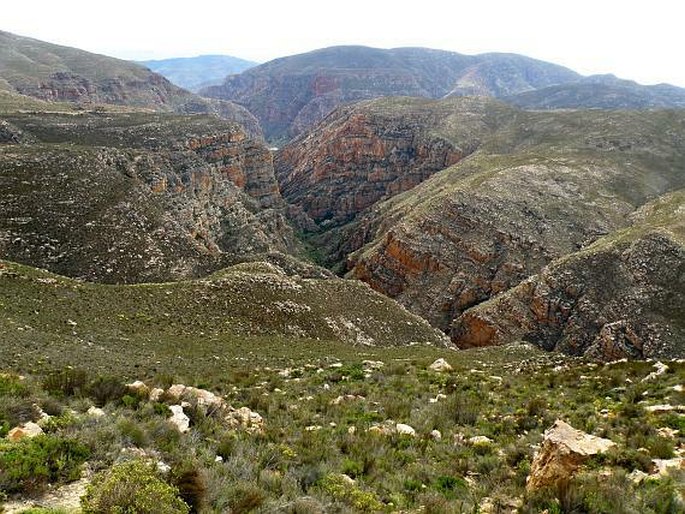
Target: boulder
29, 429
441, 366
138, 388
203, 397
403, 429
436, 435
95, 412
480, 440
564, 449
156, 394
179, 418
245, 419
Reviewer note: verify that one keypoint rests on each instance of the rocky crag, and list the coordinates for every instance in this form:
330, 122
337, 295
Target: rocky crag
532, 188
623, 296
62, 74
291, 94
131, 197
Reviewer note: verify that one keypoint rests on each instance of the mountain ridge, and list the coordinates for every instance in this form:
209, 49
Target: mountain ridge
60, 73
290, 94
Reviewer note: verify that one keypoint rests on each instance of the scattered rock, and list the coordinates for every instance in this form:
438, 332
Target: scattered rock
637, 476
203, 397
345, 398
138, 388
403, 429
661, 408
665, 466
245, 419
28, 429
480, 440
563, 450
441, 366
313, 428
95, 412
163, 467
660, 369
156, 394
437, 398
179, 418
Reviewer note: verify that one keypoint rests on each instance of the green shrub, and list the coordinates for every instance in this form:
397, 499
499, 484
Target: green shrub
30, 464
10, 385
66, 382
132, 487
362, 501
106, 389
451, 487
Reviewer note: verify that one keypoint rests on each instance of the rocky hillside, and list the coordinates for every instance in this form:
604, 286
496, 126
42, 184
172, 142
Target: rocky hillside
130, 197
369, 151
600, 92
532, 187
291, 94
58, 73
193, 73
623, 296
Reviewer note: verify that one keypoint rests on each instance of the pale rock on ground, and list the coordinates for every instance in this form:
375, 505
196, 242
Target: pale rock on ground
179, 418
28, 429
245, 419
441, 366
156, 394
403, 429
138, 387
563, 451
95, 412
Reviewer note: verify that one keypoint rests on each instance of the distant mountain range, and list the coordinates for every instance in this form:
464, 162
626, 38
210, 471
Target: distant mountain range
194, 73
291, 94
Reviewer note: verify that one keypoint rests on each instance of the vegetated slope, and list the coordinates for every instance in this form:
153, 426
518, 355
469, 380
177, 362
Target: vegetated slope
600, 92
68, 321
59, 73
540, 185
291, 94
193, 73
623, 296
131, 197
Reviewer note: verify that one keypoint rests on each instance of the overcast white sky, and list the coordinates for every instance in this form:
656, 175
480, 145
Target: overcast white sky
642, 41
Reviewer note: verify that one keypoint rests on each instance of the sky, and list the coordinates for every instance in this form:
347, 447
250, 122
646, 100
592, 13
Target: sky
642, 41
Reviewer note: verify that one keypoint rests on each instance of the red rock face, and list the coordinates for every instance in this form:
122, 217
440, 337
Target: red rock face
357, 160
246, 162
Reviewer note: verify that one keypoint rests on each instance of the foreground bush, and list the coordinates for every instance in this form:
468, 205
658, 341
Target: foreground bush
132, 487
30, 464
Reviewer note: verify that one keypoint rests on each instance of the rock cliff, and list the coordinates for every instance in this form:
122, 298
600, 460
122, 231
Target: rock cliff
370, 151
623, 296
535, 187
133, 197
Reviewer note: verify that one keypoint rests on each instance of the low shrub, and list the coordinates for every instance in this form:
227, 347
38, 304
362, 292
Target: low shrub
65, 382
105, 389
133, 486
30, 464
